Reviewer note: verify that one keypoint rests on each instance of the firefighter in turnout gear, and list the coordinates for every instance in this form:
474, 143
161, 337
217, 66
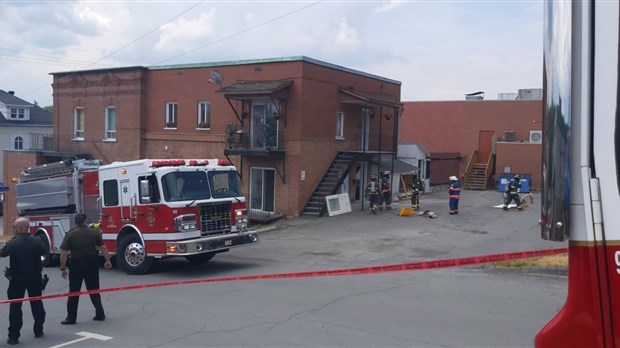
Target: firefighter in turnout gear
454, 193
416, 189
512, 193
372, 193
386, 191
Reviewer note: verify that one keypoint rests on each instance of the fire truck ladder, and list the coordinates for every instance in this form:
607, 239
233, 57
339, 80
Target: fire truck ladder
330, 183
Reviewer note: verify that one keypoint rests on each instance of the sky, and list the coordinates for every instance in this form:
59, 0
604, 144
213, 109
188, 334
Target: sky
439, 50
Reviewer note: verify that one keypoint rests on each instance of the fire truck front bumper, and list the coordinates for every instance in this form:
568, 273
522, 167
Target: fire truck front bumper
210, 244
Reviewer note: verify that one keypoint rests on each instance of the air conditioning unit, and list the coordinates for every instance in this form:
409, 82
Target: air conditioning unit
535, 137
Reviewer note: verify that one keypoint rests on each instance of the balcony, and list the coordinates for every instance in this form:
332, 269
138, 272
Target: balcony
263, 142
63, 146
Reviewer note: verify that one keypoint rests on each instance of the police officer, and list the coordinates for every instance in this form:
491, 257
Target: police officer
24, 274
372, 193
512, 193
83, 242
416, 189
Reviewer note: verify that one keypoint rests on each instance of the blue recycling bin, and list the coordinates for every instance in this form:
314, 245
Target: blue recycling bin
504, 179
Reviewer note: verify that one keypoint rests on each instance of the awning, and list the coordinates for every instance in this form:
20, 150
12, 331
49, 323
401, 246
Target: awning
400, 165
249, 89
366, 99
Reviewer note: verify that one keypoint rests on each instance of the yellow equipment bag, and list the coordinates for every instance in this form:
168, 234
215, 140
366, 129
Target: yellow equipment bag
405, 212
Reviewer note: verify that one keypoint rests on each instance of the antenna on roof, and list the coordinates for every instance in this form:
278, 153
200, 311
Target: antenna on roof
216, 77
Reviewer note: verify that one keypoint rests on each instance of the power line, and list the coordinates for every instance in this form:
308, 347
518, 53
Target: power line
241, 32
128, 44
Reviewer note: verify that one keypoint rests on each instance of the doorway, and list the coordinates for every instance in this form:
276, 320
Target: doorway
485, 145
262, 189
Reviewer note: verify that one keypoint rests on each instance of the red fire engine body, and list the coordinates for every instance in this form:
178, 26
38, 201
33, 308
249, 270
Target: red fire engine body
146, 209
581, 167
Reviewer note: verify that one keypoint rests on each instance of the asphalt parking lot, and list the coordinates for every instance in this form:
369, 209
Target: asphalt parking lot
362, 238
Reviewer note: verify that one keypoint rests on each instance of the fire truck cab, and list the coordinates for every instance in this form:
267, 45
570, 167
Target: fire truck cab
145, 209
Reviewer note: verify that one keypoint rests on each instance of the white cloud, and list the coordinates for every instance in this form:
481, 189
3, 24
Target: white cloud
347, 36
88, 16
388, 6
186, 34
440, 50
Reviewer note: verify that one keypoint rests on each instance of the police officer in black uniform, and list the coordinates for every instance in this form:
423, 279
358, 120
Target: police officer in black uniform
84, 244
24, 274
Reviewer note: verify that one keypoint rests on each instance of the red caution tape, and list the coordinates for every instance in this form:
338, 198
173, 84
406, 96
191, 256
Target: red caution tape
412, 266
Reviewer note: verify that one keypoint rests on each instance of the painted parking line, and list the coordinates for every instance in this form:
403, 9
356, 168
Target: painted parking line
85, 336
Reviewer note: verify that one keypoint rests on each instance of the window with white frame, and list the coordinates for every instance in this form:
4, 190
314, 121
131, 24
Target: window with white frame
78, 123
204, 114
18, 143
340, 125
110, 123
18, 114
171, 114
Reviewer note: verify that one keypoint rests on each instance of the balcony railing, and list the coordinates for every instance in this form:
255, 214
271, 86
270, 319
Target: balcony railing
267, 139
377, 142
54, 143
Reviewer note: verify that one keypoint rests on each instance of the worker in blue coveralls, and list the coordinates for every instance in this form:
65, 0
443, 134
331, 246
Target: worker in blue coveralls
454, 192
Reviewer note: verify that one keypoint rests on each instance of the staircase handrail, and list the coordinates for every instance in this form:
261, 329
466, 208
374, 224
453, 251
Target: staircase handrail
487, 170
470, 165
341, 178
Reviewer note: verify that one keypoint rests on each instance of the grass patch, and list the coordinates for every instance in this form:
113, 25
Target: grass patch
557, 261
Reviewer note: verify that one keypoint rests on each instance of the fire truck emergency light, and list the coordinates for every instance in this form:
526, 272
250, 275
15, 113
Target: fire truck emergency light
166, 163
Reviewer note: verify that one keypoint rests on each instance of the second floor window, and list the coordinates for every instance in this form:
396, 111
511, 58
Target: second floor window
171, 114
78, 123
204, 114
18, 113
110, 122
340, 125
18, 143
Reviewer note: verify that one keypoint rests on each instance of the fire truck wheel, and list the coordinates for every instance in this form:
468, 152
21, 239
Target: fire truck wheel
200, 258
47, 260
131, 255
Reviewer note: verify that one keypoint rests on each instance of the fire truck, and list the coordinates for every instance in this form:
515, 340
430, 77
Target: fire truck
145, 209
581, 167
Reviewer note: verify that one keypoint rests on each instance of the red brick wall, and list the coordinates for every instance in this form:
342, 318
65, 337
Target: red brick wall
308, 125
454, 126
522, 158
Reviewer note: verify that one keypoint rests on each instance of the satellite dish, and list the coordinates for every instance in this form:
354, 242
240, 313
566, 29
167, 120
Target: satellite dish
216, 77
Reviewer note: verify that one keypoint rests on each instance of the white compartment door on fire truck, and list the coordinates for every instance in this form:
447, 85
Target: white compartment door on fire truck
127, 199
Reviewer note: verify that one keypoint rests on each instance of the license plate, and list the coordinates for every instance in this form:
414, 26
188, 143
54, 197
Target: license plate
228, 242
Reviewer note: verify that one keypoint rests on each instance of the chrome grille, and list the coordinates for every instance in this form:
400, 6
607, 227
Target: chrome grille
215, 218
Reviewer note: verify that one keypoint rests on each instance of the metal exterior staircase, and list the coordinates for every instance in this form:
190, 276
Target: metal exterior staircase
330, 183
476, 179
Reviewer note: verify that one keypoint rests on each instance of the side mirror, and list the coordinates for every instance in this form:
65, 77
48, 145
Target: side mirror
145, 191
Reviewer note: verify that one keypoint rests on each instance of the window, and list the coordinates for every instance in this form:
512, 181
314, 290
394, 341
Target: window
18, 113
110, 122
171, 114
110, 193
339, 125
78, 123
153, 189
204, 114
18, 143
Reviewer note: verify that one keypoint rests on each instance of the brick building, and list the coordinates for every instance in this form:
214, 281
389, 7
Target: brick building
462, 136
296, 128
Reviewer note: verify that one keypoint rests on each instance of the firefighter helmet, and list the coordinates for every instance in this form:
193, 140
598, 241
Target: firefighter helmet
453, 178
518, 177
374, 177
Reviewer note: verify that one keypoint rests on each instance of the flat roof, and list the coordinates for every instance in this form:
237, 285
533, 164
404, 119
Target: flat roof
238, 62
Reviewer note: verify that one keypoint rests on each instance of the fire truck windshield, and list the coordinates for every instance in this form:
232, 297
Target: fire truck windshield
224, 184
196, 185
182, 186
